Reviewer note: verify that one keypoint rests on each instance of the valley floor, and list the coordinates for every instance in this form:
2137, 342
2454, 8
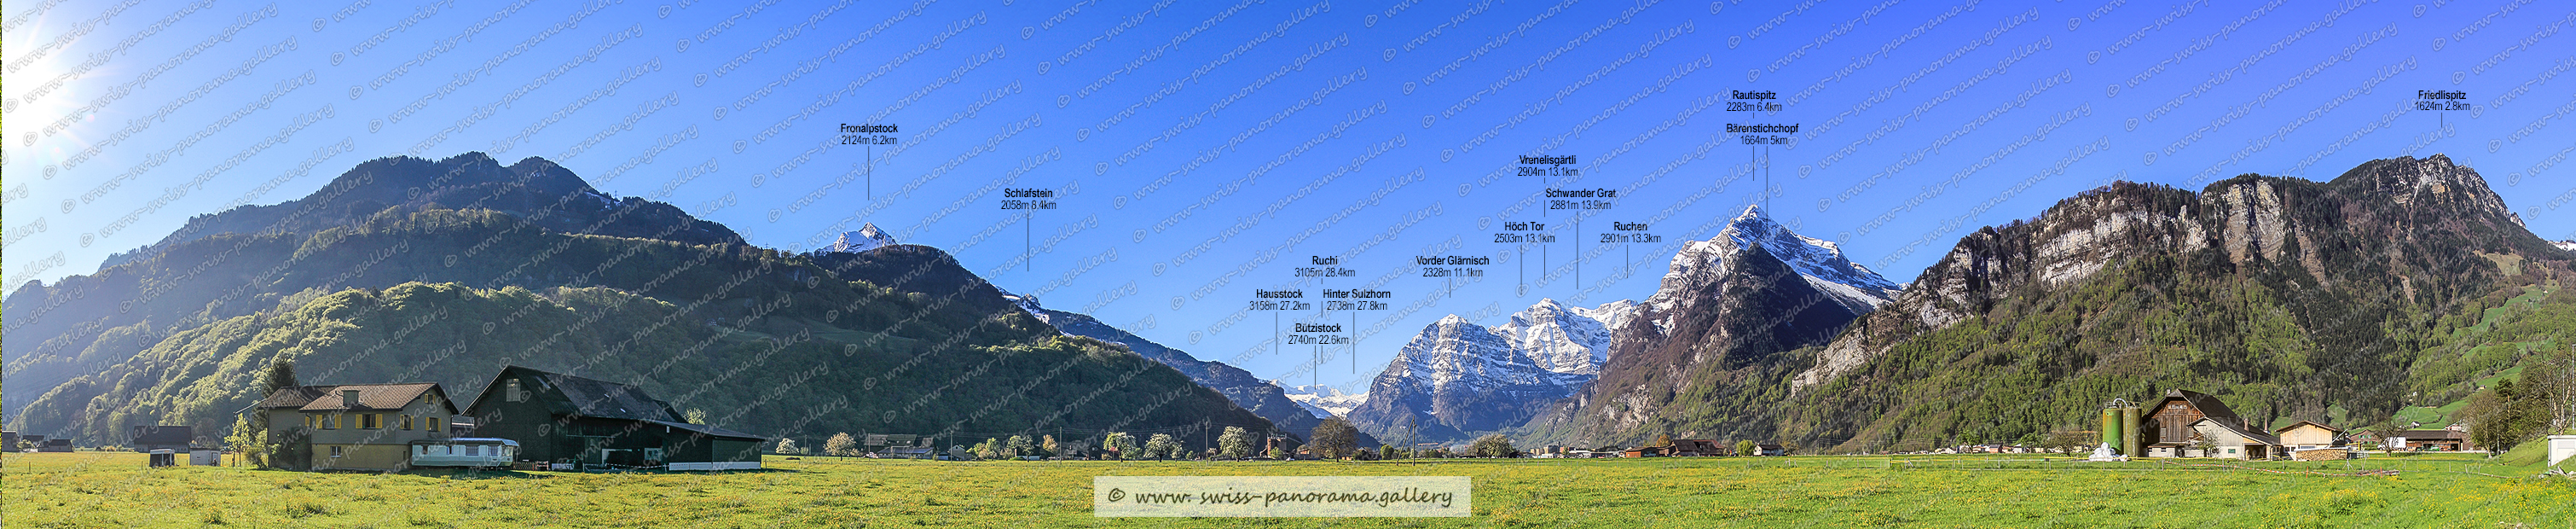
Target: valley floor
103, 489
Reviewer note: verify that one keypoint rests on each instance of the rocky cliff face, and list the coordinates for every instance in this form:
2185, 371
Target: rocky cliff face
2286, 296
2248, 221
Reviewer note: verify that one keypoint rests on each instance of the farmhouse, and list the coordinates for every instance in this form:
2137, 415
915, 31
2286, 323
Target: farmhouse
2230, 439
2309, 441
354, 426
595, 424
149, 438
2305, 435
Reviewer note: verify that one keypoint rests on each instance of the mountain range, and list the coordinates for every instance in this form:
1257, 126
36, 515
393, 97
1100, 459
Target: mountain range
404, 269
1456, 378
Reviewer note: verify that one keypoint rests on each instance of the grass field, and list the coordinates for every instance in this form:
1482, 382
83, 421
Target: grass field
102, 489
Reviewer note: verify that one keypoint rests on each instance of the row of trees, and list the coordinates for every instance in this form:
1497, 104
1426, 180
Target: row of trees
1234, 443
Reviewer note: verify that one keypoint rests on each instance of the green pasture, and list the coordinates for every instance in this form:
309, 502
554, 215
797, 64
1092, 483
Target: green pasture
112, 489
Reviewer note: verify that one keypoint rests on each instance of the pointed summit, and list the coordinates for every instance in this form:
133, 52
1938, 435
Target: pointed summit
1751, 212
1818, 261
867, 238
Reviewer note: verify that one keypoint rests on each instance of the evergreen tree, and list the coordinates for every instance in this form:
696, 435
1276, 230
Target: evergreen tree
280, 375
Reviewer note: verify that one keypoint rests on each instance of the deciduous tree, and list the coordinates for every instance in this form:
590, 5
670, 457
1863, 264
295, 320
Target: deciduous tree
841, 444
1234, 443
1162, 446
1492, 445
1335, 438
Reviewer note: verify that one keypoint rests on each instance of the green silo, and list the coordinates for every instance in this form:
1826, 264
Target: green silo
2129, 437
2111, 427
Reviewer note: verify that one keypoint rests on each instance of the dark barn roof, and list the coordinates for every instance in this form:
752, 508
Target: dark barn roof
2208, 405
2430, 435
164, 435
593, 397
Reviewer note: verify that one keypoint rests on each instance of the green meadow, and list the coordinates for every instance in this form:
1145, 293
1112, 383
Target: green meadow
113, 489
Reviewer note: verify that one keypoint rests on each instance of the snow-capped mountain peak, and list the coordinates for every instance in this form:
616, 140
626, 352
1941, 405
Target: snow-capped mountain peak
1819, 261
867, 238
1468, 377
1324, 400
1571, 340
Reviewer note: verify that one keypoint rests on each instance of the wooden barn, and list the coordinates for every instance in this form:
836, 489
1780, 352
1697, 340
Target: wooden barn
594, 424
2169, 426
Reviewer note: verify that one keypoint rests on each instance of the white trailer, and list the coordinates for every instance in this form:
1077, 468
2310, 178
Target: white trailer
464, 452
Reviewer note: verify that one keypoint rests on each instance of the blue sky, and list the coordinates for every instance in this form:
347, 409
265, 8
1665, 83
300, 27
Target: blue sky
1202, 150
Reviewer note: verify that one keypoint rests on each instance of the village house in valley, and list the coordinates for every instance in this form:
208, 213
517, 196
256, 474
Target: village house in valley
2309, 441
572, 422
354, 426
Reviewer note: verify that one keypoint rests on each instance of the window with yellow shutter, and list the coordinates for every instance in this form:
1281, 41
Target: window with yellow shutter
406, 424
437, 425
